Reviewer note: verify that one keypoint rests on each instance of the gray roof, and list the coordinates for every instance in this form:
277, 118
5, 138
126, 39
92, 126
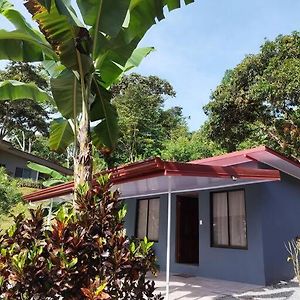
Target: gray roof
7, 147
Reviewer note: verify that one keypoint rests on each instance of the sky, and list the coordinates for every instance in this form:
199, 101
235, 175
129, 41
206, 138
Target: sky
196, 44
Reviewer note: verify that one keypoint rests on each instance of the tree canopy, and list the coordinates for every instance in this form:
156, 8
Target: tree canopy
258, 101
185, 146
144, 123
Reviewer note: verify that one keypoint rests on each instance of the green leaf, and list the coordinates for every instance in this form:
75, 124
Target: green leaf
15, 90
132, 247
46, 3
15, 17
45, 170
101, 107
116, 63
61, 215
66, 92
105, 134
53, 68
65, 8
104, 16
112, 53
100, 289
137, 56
53, 182
61, 135
64, 37
188, 1
19, 46
173, 4
73, 262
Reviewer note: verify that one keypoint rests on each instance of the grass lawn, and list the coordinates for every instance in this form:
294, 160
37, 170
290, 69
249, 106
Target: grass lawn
6, 220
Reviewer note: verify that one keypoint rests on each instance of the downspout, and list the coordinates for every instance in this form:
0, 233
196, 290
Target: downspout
168, 240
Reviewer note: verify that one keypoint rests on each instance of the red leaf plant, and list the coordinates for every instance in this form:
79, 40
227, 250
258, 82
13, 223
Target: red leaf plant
83, 254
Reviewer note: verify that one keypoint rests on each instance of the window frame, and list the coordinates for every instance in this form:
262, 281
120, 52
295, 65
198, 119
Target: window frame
147, 223
228, 216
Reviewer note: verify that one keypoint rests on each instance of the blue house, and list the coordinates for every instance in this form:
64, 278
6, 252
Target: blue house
225, 217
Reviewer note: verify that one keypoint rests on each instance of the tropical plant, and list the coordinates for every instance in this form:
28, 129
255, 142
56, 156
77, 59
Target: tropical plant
82, 254
54, 176
84, 60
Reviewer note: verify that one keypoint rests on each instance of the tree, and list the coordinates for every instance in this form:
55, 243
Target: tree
83, 61
143, 122
20, 120
258, 101
185, 146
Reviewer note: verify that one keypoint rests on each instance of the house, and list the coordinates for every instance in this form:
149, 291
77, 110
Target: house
225, 217
15, 162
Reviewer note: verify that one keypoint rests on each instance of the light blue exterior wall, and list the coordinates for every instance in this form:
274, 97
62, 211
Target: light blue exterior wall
273, 217
281, 223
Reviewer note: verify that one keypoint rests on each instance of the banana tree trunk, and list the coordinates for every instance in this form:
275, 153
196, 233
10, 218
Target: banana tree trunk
83, 159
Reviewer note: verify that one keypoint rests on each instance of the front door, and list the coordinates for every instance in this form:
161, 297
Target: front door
187, 230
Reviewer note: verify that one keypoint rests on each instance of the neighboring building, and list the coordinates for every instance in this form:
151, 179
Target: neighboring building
15, 162
230, 216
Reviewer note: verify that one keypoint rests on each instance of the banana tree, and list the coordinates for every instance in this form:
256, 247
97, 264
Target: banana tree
85, 48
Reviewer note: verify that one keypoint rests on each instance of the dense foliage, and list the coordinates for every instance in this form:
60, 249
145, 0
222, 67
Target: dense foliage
143, 122
82, 254
185, 146
258, 101
9, 192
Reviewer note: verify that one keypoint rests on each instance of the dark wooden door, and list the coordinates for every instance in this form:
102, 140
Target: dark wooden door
187, 230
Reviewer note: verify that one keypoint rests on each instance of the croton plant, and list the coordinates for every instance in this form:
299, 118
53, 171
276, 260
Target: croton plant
82, 254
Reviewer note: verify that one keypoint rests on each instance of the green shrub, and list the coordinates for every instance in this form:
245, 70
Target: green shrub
82, 254
28, 182
9, 192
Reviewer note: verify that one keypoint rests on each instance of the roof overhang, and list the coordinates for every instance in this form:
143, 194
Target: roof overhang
150, 176
260, 154
8, 148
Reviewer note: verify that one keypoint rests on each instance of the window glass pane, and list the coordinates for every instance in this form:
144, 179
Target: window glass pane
142, 218
26, 173
153, 220
19, 172
220, 219
237, 219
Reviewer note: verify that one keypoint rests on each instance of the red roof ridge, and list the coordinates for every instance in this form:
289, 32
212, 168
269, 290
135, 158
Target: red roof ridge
244, 152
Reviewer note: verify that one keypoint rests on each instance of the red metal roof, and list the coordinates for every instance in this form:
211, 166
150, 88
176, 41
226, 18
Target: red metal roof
242, 156
157, 167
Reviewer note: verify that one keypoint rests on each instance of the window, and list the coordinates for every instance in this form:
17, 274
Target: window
148, 219
229, 228
23, 173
